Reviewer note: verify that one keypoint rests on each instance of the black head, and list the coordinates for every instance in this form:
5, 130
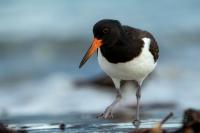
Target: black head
107, 30
106, 33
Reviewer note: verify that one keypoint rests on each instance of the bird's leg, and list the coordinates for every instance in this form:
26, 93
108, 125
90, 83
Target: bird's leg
136, 122
108, 111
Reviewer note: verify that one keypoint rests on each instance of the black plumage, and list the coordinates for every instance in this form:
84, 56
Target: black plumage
122, 43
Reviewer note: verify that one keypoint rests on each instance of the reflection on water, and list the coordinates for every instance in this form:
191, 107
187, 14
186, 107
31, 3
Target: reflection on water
83, 123
41, 45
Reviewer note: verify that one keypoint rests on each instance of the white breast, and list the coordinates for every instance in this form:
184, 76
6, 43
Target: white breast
137, 69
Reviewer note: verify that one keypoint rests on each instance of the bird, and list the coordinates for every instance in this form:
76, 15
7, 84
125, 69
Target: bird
124, 53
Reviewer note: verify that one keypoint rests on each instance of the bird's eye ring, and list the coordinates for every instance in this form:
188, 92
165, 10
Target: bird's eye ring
106, 30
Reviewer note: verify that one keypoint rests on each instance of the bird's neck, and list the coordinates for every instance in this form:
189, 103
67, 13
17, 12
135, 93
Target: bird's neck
122, 40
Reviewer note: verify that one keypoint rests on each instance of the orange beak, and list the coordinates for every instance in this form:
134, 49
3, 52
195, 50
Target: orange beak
96, 43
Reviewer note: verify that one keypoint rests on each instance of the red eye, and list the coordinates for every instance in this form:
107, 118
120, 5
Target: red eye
106, 30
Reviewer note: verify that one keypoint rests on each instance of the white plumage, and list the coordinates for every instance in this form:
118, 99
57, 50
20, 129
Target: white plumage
137, 69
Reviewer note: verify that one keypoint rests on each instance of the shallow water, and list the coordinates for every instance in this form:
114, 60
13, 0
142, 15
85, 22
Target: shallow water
41, 45
83, 123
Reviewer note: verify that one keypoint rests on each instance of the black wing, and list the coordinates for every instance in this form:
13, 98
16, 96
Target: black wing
139, 34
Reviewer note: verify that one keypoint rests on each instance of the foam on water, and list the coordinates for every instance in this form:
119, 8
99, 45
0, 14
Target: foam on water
57, 94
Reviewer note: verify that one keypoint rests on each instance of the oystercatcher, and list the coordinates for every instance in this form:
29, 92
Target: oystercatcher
124, 53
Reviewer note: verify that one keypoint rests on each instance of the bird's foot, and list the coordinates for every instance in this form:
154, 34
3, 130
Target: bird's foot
136, 123
107, 114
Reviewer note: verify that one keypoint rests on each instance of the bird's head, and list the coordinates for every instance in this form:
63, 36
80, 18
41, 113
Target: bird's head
106, 33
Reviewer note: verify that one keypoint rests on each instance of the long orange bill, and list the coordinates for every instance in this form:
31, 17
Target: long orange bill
96, 43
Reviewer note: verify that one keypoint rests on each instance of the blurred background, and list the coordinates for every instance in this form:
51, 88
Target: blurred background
42, 44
